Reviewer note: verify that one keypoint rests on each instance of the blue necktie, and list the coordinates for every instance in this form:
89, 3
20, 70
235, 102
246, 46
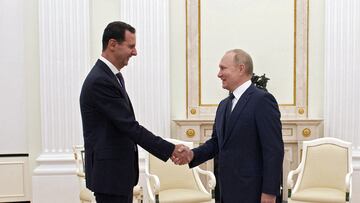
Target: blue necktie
121, 79
228, 111
122, 84
229, 106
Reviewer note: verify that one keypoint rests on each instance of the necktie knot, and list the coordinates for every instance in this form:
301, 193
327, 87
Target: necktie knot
231, 95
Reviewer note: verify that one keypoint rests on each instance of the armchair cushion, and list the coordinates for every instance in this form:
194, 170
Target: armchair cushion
183, 196
176, 184
320, 195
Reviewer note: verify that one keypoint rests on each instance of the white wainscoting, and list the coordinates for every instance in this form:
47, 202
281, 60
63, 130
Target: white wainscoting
14, 179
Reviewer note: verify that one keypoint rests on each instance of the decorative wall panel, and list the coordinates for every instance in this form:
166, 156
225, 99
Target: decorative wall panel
290, 86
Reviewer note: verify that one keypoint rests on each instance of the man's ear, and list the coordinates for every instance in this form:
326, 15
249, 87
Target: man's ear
242, 68
112, 43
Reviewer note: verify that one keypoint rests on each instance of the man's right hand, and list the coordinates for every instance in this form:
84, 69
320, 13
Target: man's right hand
182, 155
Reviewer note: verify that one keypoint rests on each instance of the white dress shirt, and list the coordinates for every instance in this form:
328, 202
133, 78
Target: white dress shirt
239, 91
111, 66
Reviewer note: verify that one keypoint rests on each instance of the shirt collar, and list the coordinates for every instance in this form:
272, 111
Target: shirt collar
241, 89
110, 65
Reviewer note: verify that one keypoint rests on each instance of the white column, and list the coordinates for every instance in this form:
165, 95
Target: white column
342, 59
64, 61
147, 76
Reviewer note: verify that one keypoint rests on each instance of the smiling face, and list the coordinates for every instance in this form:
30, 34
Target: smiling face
231, 74
123, 51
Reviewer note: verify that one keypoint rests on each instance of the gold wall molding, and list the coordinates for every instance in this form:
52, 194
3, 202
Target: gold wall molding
193, 63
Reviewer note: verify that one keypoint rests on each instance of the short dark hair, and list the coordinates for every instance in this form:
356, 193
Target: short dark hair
115, 30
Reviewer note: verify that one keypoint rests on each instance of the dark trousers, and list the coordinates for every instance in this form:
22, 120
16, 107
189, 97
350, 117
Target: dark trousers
106, 198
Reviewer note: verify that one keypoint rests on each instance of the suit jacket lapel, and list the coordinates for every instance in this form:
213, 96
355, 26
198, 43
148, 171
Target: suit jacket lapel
115, 82
107, 70
237, 111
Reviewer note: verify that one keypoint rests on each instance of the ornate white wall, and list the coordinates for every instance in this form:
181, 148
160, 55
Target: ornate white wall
12, 78
64, 61
65, 51
14, 154
64, 21
342, 59
147, 76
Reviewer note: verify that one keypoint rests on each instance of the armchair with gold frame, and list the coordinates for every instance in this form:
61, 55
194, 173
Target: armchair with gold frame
169, 183
324, 173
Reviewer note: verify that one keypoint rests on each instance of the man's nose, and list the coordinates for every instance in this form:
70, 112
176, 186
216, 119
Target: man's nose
134, 52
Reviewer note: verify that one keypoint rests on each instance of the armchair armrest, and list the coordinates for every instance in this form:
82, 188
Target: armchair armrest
153, 190
156, 180
290, 181
212, 180
348, 181
348, 185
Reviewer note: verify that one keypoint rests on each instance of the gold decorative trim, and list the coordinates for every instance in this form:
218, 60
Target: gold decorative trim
295, 24
193, 111
301, 111
295, 94
307, 58
187, 58
199, 50
306, 132
190, 133
199, 57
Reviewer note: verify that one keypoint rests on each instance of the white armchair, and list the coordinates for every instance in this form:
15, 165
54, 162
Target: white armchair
86, 195
167, 182
324, 174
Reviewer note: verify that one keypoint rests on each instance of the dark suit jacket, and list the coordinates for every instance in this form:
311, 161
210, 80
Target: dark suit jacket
111, 135
250, 154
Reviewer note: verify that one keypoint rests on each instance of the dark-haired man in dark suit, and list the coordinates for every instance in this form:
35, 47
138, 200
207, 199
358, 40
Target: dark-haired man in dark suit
111, 132
246, 137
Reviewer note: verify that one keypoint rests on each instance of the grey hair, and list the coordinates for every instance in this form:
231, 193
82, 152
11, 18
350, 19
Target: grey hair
241, 57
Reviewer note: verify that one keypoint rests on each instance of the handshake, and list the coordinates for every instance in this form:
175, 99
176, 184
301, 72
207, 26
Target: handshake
182, 155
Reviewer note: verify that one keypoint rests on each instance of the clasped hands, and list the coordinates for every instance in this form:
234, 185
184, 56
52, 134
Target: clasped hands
182, 155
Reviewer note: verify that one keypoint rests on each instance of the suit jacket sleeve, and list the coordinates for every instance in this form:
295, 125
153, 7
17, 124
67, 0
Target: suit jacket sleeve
206, 151
269, 128
114, 106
